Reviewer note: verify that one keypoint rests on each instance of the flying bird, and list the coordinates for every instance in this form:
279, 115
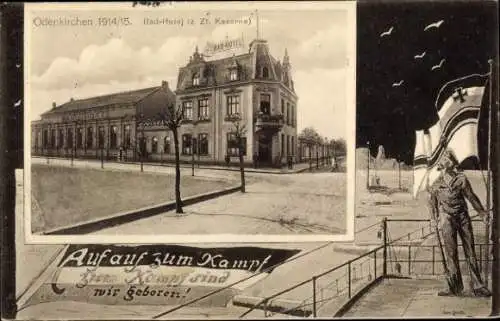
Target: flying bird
436, 25
438, 66
420, 56
18, 103
397, 84
387, 33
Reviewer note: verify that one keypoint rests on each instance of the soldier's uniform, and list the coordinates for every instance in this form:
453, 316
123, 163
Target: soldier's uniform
448, 205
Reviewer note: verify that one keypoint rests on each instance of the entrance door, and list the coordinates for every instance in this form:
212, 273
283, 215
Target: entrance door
265, 150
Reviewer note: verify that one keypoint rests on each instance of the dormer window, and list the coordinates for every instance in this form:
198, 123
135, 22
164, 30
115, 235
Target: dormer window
196, 79
233, 74
265, 72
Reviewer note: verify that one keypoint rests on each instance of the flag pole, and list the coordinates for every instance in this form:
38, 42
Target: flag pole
486, 265
495, 276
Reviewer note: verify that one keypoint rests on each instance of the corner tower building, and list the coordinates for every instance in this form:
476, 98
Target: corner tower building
255, 87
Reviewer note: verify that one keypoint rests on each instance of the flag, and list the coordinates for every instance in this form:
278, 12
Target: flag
155, 274
458, 106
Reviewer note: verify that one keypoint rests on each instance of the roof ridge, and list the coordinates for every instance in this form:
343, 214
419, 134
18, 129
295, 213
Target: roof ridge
110, 95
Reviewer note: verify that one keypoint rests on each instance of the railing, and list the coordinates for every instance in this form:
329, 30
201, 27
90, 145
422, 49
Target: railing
269, 121
327, 290
327, 293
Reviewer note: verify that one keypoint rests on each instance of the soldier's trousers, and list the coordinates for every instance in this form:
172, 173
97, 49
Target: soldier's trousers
450, 226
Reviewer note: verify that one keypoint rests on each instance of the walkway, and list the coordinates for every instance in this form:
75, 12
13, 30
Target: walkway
308, 203
410, 298
297, 168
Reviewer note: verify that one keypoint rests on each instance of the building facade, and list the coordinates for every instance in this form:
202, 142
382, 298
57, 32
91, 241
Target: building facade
253, 90
102, 126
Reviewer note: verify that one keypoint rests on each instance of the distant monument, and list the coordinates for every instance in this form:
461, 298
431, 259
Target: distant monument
380, 154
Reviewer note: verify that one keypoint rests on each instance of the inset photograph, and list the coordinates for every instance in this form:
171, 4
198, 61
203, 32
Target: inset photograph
177, 122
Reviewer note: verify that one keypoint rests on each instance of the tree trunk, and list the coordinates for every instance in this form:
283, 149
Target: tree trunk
242, 173
178, 201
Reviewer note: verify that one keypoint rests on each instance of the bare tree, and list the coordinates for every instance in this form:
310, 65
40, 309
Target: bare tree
172, 118
239, 131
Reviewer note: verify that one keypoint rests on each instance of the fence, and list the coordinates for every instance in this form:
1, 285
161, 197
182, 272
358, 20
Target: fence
332, 291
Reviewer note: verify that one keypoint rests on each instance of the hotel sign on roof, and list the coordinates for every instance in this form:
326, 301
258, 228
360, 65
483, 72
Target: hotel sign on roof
212, 48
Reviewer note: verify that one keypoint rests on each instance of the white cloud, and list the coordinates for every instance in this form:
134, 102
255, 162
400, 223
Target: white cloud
322, 105
115, 61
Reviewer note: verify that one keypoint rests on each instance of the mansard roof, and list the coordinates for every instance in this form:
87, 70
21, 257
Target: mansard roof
251, 65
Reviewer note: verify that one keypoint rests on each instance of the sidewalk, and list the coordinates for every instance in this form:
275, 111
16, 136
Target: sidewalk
410, 298
297, 168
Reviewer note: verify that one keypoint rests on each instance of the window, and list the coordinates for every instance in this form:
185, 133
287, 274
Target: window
287, 145
37, 135
293, 145
187, 110
233, 105
90, 137
126, 132
282, 144
53, 138
265, 72
142, 146
60, 140
114, 141
287, 113
265, 103
292, 113
203, 144
154, 145
101, 137
186, 144
282, 107
232, 145
69, 141
196, 79
233, 74
166, 145
203, 109
45, 138
79, 138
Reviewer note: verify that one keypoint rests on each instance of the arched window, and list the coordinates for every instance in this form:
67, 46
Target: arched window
79, 138
60, 140
196, 79
166, 145
69, 140
45, 138
53, 138
154, 145
90, 137
101, 137
126, 131
113, 141
265, 72
233, 74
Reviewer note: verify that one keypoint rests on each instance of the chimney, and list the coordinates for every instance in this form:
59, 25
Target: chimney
164, 83
71, 99
53, 104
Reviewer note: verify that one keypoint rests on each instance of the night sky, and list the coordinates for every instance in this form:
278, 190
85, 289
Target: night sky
389, 115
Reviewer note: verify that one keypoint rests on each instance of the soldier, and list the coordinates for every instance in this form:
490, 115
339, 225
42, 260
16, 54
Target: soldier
449, 211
